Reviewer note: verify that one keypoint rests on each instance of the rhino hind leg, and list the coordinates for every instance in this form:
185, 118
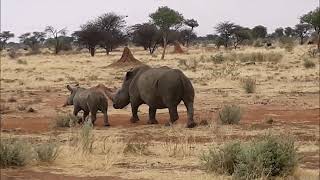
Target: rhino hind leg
152, 116
173, 115
85, 114
190, 112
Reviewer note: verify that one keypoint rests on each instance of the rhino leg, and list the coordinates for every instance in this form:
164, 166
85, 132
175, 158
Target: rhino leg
93, 115
152, 116
190, 123
134, 109
105, 117
85, 114
173, 115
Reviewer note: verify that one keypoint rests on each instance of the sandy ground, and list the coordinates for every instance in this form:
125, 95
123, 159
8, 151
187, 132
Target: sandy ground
286, 92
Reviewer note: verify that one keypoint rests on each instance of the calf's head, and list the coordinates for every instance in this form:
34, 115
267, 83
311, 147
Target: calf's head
73, 91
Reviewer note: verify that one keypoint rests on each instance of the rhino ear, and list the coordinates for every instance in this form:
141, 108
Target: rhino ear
69, 88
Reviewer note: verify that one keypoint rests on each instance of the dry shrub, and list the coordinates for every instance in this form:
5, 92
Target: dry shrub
23, 62
47, 152
218, 58
249, 85
188, 64
273, 57
230, 114
65, 120
139, 148
86, 137
307, 63
14, 152
263, 157
179, 146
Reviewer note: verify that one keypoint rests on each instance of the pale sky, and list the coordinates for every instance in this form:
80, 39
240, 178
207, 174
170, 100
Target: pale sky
20, 16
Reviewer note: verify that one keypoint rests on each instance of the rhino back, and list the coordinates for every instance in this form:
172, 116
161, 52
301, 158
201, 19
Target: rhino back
159, 85
80, 99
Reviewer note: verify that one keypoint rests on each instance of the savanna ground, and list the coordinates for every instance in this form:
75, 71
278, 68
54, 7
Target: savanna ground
286, 92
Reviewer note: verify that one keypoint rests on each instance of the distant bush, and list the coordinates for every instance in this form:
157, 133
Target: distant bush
260, 57
287, 43
230, 114
249, 85
308, 63
14, 152
13, 53
258, 43
47, 152
263, 157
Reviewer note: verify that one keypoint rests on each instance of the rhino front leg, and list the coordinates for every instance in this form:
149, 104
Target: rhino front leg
152, 116
173, 115
134, 109
105, 117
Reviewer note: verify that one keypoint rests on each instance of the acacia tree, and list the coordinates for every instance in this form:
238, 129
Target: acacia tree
192, 24
111, 26
4, 37
146, 35
90, 36
279, 32
239, 34
33, 40
166, 19
302, 31
289, 32
259, 32
313, 18
55, 34
225, 30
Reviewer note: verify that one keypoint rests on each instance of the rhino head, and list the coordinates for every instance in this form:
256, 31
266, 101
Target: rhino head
121, 98
73, 91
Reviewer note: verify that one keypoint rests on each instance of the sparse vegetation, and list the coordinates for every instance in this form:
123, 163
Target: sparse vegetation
140, 148
249, 85
14, 152
307, 63
230, 114
86, 137
47, 152
263, 157
65, 120
20, 61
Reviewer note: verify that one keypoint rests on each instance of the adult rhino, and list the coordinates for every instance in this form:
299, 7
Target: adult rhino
159, 88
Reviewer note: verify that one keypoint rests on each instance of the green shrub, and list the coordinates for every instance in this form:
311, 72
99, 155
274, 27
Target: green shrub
65, 120
230, 114
308, 64
14, 152
249, 85
218, 58
47, 152
222, 160
268, 156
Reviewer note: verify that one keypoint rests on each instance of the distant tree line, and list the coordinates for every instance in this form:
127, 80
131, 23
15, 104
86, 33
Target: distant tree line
165, 26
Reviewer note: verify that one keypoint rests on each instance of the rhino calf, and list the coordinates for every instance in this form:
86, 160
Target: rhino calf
159, 88
89, 100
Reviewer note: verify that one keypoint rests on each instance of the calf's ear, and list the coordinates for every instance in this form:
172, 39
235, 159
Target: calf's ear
69, 88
